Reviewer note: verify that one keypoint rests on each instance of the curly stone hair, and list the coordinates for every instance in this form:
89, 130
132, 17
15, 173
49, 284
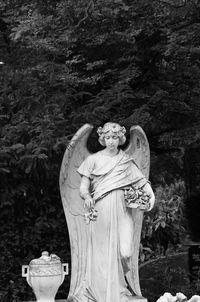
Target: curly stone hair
112, 127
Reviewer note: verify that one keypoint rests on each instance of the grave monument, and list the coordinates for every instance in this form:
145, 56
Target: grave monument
104, 196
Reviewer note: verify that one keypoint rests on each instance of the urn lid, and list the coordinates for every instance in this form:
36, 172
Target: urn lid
46, 259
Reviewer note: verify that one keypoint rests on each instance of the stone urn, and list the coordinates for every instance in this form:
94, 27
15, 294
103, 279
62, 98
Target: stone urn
45, 275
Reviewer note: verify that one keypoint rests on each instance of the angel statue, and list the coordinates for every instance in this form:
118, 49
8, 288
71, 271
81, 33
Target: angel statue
104, 196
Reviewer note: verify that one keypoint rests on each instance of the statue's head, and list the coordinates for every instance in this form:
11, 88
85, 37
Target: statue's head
111, 128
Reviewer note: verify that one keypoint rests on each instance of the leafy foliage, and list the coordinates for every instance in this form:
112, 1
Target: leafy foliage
166, 223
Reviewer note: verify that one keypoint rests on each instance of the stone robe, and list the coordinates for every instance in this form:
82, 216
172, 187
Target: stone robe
110, 236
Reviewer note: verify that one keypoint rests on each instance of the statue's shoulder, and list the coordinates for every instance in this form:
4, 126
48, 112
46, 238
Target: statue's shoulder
92, 158
125, 155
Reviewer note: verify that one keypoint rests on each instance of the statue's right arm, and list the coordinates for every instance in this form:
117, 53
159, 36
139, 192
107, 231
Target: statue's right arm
85, 192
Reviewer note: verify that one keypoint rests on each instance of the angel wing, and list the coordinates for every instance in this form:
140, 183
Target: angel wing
138, 148
69, 183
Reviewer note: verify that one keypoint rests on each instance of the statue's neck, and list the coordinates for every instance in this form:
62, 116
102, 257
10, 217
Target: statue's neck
109, 152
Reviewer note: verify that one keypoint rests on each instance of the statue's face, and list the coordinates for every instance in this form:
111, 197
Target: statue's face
111, 141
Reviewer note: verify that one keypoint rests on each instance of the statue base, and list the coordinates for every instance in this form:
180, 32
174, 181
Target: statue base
130, 299
133, 299
138, 299
62, 300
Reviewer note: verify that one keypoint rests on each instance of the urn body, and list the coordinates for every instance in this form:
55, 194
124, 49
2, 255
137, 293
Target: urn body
45, 275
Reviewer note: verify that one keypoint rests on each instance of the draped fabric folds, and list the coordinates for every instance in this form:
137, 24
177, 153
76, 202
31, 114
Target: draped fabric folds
110, 236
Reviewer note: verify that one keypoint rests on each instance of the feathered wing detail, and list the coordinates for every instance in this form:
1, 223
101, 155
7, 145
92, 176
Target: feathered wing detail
138, 148
69, 182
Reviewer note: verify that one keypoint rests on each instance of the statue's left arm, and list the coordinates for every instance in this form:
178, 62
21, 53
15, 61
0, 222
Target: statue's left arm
144, 184
84, 192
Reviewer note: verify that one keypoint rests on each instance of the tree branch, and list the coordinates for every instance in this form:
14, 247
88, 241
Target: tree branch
176, 4
90, 5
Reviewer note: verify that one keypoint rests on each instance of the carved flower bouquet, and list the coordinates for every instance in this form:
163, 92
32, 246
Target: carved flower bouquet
136, 198
90, 216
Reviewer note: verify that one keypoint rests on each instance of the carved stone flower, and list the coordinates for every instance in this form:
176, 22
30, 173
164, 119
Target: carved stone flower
90, 216
135, 198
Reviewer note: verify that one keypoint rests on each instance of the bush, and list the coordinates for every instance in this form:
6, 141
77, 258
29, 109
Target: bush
166, 223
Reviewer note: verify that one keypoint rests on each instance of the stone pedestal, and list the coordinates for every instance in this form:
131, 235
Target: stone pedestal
138, 299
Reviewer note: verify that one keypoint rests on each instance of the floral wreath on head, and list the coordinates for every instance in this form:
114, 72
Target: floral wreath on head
112, 127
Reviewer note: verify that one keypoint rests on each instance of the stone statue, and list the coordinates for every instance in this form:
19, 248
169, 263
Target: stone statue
104, 196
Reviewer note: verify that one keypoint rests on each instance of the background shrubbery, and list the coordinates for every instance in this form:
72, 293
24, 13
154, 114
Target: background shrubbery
166, 225
69, 62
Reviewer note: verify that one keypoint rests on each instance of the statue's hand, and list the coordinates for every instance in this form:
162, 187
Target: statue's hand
88, 203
